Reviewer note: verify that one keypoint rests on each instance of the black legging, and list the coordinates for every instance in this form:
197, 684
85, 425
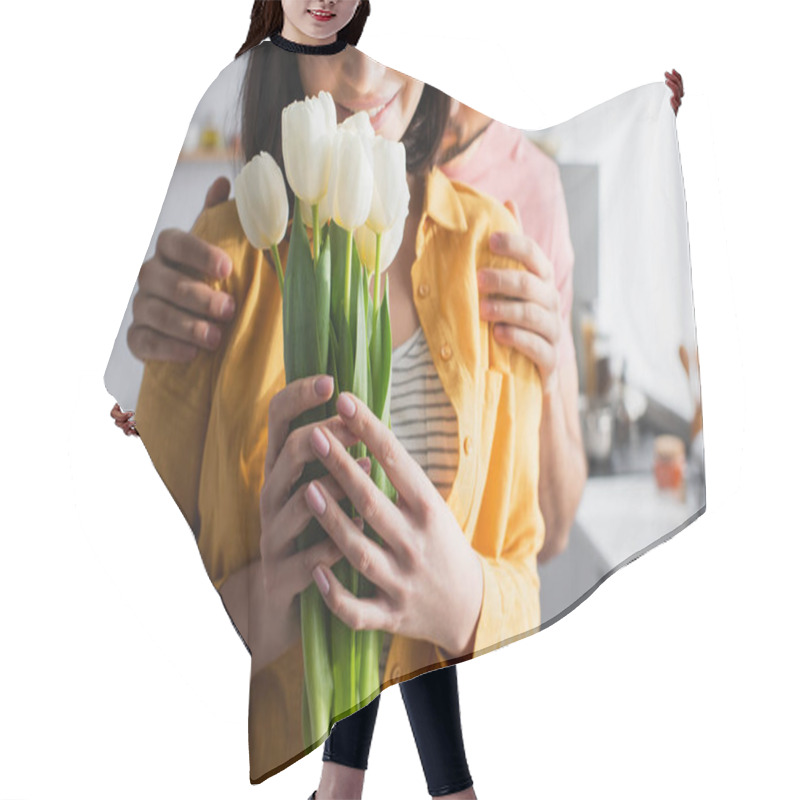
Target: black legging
432, 706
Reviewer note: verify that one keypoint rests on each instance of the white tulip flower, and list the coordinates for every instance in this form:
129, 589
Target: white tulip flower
390, 195
261, 201
366, 244
308, 128
351, 179
359, 123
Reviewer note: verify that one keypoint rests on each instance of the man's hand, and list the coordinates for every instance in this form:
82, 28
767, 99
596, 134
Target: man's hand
675, 82
174, 309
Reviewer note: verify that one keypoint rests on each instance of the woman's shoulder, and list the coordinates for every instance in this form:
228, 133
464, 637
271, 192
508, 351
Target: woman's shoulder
220, 223
482, 211
482, 215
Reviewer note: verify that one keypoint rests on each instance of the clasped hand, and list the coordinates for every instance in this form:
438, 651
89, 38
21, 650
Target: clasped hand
429, 581
525, 304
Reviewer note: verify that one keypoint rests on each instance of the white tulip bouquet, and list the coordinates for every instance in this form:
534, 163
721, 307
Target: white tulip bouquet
351, 189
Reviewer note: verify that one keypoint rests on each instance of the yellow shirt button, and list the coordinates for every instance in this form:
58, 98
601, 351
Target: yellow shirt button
423, 290
445, 352
467, 444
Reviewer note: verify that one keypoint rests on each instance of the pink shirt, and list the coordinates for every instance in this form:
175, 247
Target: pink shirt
507, 166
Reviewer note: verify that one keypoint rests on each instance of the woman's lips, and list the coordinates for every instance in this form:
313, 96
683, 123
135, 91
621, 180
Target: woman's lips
322, 16
376, 119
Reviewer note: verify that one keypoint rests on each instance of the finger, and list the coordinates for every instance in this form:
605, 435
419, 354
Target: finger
189, 252
403, 471
524, 249
149, 345
295, 454
516, 284
360, 614
529, 316
172, 322
291, 401
675, 91
675, 83
287, 453
298, 566
218, 192
366, 555
294, 515
377, 510
534, 347
123, 420
189, 291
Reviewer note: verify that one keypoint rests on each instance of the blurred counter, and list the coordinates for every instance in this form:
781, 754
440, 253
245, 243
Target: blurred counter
621, 515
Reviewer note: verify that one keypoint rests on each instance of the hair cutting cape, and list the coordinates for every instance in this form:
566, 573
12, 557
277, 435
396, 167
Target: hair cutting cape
602, 196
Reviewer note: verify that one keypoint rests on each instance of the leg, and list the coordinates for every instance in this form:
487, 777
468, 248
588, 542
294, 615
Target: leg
345, 755
432, 705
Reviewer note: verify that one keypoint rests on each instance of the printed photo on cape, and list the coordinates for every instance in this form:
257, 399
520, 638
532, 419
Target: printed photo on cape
602, 196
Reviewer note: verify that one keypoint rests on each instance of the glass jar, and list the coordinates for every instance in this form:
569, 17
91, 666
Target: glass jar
669, 462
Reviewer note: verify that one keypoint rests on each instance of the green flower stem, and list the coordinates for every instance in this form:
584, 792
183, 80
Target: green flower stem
277, 258
354, 638
375, 289
315, 218
345, 690
348, 260
316, 658
307, 739
370, 682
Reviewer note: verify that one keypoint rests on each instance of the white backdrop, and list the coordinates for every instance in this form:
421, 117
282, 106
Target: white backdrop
120, 674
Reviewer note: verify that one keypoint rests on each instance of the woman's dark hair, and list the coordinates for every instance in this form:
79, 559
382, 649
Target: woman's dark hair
266, 19
272, 81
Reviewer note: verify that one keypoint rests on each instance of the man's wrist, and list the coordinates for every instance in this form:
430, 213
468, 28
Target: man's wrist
551, 386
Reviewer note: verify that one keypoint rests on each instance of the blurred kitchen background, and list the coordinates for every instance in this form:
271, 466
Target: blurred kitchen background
632, 320
634, 332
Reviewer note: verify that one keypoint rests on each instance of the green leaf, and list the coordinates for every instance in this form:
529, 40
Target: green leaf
367, 303
380, 354
334, 360
370, 399
322, 275
317, 668
300, 345
359, 322
344, 356
299, 305
370, 682
338, 239
356, 289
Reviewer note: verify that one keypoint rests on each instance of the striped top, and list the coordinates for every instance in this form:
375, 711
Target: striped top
423, 420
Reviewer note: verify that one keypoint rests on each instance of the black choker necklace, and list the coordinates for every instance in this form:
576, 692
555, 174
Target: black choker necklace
311, 49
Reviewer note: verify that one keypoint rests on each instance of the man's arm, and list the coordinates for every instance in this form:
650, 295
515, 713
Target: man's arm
563, 460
